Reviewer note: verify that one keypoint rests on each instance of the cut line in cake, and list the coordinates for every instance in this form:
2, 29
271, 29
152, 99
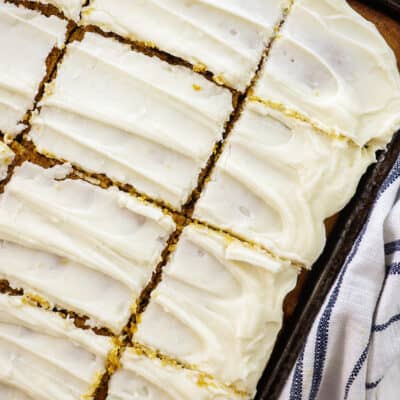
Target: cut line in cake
152, 51
182, 219
141, 375
87, 249
68, 9
26, 34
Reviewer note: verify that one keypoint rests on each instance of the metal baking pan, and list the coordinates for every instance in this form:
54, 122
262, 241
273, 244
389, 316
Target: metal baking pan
389, 6
302, 306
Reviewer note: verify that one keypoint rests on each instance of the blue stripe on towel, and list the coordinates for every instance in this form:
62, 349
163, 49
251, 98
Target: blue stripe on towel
296, 390
356, 370
393, 269
373, 385
382, 327
392, 247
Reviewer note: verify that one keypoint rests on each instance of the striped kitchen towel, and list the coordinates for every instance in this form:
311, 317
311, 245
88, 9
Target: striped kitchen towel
353, 349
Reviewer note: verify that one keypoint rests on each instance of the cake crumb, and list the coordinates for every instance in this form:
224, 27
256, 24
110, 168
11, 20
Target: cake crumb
36, 300
219, 79
196, 87
199, 67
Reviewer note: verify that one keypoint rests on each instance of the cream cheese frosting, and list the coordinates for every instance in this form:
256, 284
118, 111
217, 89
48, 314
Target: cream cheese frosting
277, 181
333, 67
104, 236
219, 307
25, 35
70, 8
6, 158
116, 111
10, 393
152, 379
44, 356
66, 284
226, 37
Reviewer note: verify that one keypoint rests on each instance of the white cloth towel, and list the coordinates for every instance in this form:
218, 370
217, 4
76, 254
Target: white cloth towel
353, 349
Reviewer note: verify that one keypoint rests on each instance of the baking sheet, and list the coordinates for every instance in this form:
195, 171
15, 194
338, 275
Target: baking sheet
303, 304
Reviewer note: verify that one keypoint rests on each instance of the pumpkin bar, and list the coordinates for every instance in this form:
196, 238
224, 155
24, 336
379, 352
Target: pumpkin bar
219, 307
332, 67
43, 356
143, 377
78, 246
119, 112
27, 39
278, 180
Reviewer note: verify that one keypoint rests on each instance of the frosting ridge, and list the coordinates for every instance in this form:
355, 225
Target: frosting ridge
70, 8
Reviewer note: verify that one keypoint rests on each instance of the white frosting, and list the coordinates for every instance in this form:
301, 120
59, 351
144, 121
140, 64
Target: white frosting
6, 158
218, 307
151, 379
105, 236
70, 8
67, 284
116, 111
27, 38
47, 357
10, 393
228, 37
277, 181
334, 67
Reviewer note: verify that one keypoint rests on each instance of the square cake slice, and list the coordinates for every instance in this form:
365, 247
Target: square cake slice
43, 356
278, 180
87, 249
226, 37
147, 378
133, 117
219, 307
27, 38
333, 67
